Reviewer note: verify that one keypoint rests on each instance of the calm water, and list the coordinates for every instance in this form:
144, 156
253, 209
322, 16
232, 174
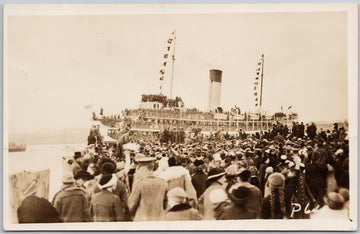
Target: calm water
41, 157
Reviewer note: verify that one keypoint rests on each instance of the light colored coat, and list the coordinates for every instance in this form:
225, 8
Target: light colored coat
147, 199
178, 176
207, 209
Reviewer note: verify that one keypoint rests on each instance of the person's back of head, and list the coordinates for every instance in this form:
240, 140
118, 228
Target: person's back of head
345, 193
335, 201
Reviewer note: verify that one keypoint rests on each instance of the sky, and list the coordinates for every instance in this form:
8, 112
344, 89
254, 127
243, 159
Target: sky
57, 65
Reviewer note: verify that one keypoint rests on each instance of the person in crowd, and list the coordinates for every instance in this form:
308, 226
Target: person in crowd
179, 207
147, 201
36, 209
106, 206
198, 178
216, 179
71, 202
178, 176
76, 165
253, 204
237, 209
334, 208
275, 206
109, 168
86, 181
221, 178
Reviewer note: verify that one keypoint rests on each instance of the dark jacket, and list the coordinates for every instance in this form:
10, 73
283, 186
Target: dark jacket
266, 208
182, 212
71, 203
198, 179
106, 207
122, 193
37, 210
235, 211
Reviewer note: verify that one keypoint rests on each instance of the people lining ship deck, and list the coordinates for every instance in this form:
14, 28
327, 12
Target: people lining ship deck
298, 177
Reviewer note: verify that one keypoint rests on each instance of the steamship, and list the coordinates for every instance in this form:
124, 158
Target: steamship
158, 112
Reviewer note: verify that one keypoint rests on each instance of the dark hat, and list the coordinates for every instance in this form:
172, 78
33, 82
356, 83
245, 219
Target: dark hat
83, 175
239, 195
215, 173
198, 162
68, 178
107, 181
108, 168
77, 155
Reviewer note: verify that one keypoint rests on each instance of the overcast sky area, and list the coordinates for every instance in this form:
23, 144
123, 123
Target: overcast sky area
59, 64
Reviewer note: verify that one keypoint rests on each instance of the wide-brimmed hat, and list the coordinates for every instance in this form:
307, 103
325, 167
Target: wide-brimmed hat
142, 158
177, 192
239, 195
215, 173
232, 170
83, 175
68, 178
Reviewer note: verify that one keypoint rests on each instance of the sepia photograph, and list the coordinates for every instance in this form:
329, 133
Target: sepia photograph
180, 117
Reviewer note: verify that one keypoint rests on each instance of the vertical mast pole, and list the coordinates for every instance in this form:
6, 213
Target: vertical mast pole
172, 69
261, 88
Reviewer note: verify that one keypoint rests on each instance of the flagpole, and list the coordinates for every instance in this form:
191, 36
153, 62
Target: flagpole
172, 69
261, 87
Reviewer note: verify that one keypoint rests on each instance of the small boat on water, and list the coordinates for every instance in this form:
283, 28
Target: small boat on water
16, 148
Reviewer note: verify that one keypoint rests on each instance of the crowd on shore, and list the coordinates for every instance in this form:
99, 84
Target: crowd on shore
281, 174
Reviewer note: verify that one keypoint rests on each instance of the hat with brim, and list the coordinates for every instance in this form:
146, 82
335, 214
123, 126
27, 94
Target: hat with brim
141, 158
215, 173
83, 175
68, 178
239, 195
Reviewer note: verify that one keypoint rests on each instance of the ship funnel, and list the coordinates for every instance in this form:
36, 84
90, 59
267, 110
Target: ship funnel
215, 89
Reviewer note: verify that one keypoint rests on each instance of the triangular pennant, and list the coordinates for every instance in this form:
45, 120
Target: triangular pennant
255, 94
164, 64
256, 99
165, 55
256, 78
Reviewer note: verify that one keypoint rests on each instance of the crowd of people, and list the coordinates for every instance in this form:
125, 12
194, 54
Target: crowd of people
277, 175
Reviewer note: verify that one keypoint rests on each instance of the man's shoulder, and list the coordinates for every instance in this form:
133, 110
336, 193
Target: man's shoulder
150, 179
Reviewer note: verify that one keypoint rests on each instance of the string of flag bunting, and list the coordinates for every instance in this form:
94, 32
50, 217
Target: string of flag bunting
257, 78
166, 57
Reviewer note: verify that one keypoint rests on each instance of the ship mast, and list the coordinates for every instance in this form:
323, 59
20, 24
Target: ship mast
261, 88
172, 68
